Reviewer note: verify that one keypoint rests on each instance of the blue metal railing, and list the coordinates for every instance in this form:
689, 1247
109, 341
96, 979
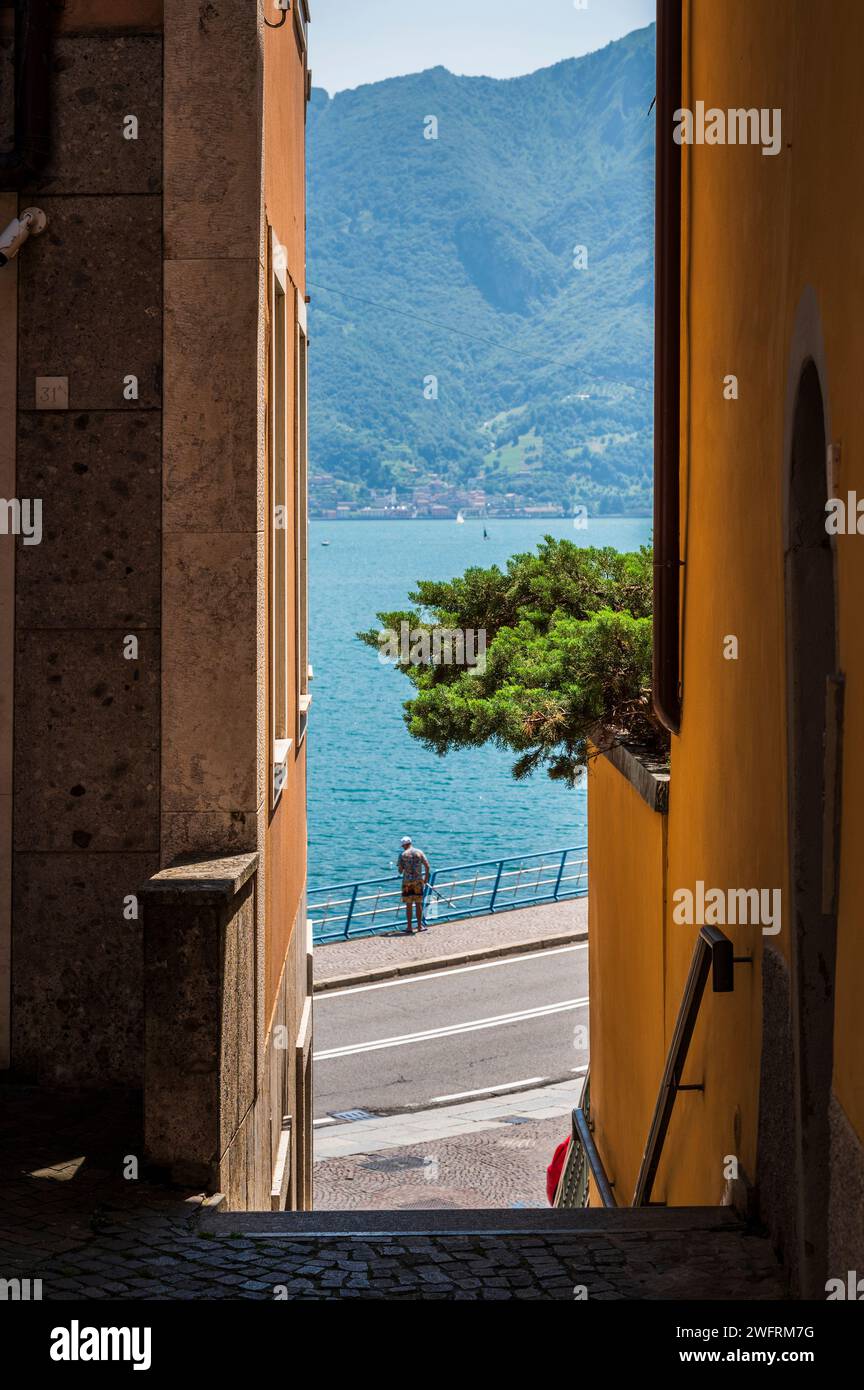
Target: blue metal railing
374, 905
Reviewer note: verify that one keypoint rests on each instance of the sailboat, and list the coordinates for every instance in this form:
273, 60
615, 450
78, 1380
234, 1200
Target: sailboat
460, 520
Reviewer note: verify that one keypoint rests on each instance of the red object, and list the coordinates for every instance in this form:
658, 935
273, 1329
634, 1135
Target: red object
555, 1169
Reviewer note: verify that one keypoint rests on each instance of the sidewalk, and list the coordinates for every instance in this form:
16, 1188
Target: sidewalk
446, 1121
529, 925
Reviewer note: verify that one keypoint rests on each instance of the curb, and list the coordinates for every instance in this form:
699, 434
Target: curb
422, 967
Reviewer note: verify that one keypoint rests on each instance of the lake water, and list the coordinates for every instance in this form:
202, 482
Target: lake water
370, 782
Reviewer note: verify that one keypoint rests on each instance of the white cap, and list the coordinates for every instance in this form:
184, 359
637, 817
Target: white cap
406, 839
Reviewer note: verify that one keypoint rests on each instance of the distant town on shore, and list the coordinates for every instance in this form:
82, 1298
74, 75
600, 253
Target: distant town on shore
445, 503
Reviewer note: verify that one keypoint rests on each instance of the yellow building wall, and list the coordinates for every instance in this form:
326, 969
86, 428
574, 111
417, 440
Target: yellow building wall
626, 852
759, 230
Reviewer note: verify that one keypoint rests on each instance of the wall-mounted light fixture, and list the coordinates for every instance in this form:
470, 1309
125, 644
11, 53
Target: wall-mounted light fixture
32, 222
285, 7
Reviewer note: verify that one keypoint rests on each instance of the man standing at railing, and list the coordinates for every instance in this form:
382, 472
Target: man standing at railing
414, 868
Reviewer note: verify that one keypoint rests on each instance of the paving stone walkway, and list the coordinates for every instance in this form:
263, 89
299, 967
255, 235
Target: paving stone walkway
70, 1219
528, 924
503, 1166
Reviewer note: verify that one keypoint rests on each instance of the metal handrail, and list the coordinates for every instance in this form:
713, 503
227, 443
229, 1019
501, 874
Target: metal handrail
458, 868
583, 1158
465, 890
713, 951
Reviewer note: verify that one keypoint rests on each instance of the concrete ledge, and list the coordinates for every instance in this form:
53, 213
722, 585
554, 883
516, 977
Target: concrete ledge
645, 773
587, 1221
215, 1202
191, 879
421, 967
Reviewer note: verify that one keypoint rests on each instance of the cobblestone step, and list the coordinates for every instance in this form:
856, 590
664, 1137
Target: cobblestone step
591, 1221
106, 1243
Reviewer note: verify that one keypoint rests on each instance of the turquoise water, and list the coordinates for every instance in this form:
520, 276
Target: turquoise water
369, 781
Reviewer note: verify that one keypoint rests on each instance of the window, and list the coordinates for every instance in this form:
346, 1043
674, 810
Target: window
301, 523
301, 21
280, 742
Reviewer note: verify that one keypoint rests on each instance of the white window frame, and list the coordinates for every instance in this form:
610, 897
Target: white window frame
279, 462
301, 21
301, 515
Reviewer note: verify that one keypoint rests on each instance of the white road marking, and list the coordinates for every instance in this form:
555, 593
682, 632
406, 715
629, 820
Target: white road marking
422, 976
489, 1090
424, 1126
406, 1039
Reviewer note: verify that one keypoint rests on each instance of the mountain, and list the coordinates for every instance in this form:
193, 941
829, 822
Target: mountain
455, 259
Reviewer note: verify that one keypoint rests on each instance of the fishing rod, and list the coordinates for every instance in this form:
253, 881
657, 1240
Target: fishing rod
441, 896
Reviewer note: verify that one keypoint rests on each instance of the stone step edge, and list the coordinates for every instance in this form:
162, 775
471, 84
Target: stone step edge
545, 1222
421, 967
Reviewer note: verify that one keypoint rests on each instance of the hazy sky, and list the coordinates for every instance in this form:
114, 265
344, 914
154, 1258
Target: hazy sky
357, 41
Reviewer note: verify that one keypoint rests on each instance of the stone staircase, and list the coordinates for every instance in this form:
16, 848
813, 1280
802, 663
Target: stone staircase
650, 1253
69, 1218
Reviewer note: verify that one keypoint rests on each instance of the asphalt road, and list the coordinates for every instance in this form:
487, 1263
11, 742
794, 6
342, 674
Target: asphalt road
450, 1035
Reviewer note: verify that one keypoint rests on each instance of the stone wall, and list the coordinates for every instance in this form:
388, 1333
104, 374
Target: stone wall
775, 1155
86, 743
846, 1200
214, 1118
